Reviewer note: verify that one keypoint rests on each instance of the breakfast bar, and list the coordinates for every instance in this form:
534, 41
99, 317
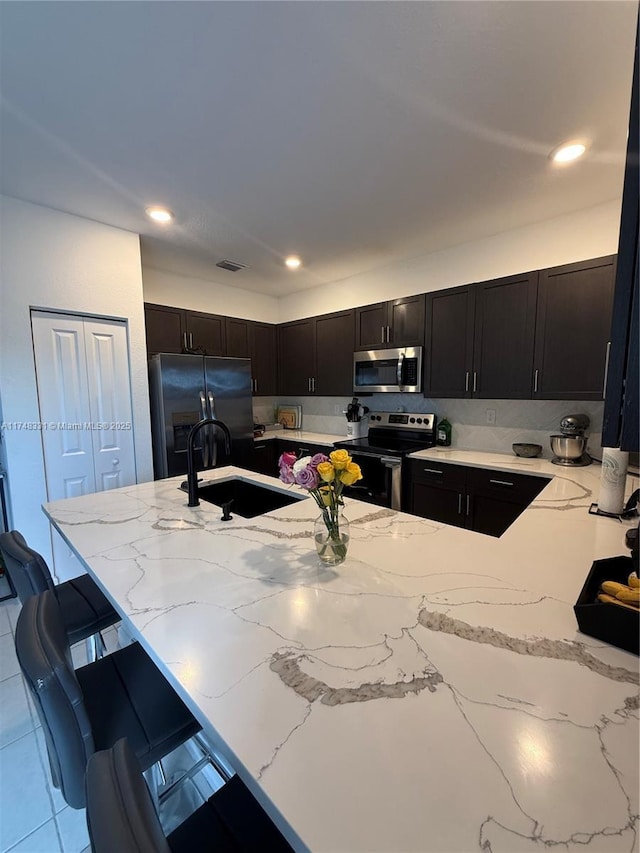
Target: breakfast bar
432, 693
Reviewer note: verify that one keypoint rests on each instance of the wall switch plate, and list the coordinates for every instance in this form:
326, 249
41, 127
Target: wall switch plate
491, 416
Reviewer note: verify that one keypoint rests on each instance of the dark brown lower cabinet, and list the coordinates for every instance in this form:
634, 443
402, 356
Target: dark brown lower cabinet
480, 499
264, 458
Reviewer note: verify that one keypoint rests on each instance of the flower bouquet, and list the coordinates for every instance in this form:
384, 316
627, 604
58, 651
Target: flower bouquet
324, 477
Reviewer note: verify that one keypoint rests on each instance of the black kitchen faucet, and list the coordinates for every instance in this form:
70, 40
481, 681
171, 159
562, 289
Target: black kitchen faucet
192, 471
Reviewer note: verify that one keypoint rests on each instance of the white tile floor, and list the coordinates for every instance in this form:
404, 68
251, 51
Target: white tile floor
34, 817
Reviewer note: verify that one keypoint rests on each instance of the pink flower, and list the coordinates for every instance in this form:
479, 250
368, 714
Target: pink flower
307, 478
288, 459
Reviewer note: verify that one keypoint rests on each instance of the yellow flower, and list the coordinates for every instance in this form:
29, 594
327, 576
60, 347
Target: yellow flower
326, 472
325, 494
340, 459
351, 474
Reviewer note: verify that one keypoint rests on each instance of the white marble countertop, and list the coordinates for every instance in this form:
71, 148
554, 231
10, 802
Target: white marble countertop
301, 435
430, 694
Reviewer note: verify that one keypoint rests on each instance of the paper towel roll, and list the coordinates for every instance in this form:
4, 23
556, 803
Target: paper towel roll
613, 480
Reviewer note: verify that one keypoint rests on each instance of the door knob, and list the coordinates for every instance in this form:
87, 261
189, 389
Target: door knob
115, 461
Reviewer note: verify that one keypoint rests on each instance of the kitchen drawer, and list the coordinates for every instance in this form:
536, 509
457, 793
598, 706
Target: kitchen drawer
504, 485
436, 474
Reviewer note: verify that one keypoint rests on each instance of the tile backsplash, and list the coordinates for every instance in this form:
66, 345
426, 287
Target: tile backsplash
515, 420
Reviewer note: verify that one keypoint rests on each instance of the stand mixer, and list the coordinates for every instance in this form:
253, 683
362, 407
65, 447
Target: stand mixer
569, 447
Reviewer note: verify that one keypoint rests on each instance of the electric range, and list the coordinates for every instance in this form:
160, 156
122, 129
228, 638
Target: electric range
391, 437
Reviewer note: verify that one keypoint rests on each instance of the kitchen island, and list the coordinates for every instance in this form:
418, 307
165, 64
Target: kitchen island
430, 694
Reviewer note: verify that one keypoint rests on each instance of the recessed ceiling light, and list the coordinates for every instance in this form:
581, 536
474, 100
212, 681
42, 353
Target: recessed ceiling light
568, 152
159, 214
293, 262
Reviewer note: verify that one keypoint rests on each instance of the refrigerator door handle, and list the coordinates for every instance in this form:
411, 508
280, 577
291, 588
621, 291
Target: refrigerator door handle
211, 431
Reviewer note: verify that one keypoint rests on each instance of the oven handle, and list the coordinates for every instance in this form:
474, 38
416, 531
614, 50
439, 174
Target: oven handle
394, 464
355, 453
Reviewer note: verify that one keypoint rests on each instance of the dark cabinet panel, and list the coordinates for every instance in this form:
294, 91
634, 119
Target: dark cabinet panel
264, 358
397, 323
371, 326
315, 356
481, 499
264, 458
503, 337
437, 503
621, 424
572, 330
301, 448
296, 357
449, 337
406, 318
164, 327
206, 333
237, 338
334, 354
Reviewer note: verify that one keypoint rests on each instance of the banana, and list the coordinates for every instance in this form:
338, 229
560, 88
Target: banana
629, 596
633, 581
613, 587
609, 599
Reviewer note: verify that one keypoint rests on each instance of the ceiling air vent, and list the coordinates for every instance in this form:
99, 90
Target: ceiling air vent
232, 266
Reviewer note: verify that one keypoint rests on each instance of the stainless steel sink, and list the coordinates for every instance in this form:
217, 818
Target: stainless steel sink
246, 499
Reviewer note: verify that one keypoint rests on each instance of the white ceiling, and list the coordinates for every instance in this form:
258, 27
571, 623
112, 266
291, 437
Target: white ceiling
353, 133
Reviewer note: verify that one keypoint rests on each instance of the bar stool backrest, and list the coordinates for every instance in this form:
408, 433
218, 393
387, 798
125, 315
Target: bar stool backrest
44, 655
120, 813
27, 569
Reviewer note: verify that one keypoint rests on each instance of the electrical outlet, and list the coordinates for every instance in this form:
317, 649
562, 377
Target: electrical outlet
491, 416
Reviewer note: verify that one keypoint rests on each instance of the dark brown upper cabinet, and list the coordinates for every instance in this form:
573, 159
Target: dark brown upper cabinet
178, 330
504, 330
480, 339
315, 356
449, 342
264, 358
573, 321
237, 337
397, 323
165, 328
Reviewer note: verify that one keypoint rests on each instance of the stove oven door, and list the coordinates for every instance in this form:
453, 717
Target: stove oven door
381, 479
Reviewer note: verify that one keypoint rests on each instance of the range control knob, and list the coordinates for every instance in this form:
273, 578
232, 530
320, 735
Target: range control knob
419, 420
412, 420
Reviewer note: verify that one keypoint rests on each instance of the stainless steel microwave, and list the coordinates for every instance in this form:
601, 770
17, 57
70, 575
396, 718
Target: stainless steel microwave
398, 370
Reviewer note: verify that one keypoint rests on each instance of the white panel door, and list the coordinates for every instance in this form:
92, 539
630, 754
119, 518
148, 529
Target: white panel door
110, 404
84, 393
63, 396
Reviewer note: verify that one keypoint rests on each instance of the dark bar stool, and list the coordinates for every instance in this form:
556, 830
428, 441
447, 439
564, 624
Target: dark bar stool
85, 609
121, 695
121, 816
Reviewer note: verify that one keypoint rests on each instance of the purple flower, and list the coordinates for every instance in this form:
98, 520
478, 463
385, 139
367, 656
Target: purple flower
286, 474
307, 478
318, 458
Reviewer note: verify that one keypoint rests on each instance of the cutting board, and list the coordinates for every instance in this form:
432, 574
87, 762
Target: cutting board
290, 416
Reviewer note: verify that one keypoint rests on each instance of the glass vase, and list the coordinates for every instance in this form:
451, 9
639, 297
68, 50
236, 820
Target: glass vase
331, 535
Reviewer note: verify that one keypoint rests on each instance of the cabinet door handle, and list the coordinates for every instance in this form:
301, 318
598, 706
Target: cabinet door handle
501, 483
313, 384
459, 503
606, 369
468, 504
466, 381
535, 380
475, 381
388, 334
381, 334
191, 340
185, 345
432, 471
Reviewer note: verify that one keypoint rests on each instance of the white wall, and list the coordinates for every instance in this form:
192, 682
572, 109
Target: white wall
53, 260
586, 234
168, 288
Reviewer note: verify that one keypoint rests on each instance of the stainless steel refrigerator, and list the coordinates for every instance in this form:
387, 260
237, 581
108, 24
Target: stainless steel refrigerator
186, 388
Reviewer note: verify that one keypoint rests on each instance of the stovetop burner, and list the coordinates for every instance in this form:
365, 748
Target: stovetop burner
394, 434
